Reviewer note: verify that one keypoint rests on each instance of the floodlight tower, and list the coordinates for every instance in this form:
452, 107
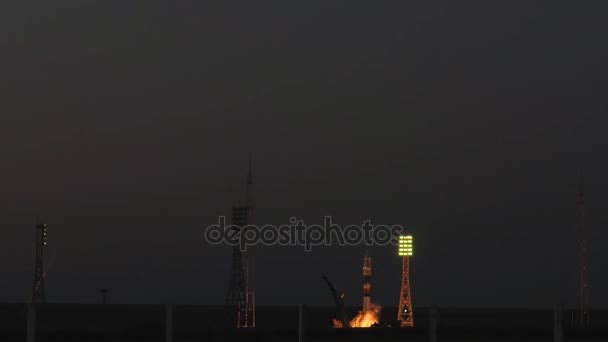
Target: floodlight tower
38, 292
406, 313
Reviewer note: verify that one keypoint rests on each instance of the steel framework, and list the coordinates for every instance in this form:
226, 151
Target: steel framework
583, 254
406, 313
38, 291
241, 290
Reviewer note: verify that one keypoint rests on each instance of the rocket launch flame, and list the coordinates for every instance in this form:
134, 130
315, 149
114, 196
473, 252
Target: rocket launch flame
369, 315
364, 319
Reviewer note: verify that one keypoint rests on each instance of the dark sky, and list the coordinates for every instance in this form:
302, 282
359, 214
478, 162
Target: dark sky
127, 125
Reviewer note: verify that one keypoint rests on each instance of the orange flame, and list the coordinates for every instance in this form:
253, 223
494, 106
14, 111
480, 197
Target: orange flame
364, 319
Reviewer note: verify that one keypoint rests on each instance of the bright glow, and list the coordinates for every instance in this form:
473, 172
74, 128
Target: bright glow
406, 245
366, 318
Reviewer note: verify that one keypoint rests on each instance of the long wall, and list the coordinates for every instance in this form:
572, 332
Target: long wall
86, 322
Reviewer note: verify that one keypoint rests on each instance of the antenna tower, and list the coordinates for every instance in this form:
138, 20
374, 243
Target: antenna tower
583, 258
241, 291
38, 292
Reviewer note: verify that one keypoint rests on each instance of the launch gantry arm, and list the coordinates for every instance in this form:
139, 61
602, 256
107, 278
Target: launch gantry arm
339, 303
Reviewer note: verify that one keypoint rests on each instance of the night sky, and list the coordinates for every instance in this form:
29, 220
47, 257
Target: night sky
126, 126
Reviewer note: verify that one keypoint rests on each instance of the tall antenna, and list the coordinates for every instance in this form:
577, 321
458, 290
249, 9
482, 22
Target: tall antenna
249, 187
241, 291
583, 255
248, 254
38, 291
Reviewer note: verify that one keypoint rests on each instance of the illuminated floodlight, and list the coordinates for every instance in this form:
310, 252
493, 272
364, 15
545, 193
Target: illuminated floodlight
406, 246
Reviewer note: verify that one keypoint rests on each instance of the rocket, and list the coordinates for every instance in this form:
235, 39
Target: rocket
367, 286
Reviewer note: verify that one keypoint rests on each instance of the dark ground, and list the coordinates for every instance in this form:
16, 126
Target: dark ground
84, 322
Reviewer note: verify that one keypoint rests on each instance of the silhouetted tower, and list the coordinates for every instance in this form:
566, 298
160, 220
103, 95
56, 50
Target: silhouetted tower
249, 254
583, 255
241, 291
38, 292
104, 295
405, 313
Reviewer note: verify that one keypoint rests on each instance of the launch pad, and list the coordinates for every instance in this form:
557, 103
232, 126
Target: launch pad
369, 316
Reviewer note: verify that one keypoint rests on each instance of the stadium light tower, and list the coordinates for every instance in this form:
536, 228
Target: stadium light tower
406, 313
